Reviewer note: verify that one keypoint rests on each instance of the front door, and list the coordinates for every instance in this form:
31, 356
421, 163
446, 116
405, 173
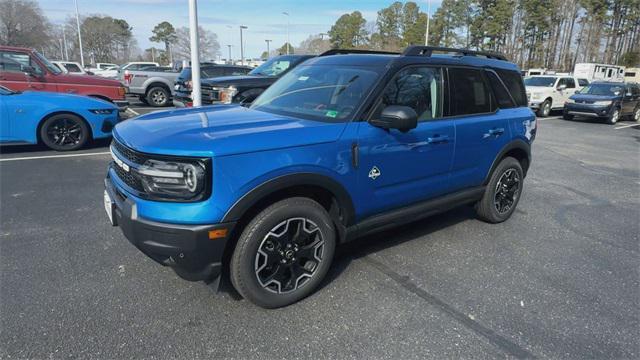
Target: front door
396, 168
20, 72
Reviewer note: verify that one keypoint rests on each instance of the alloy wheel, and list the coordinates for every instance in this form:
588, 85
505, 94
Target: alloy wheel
65, 132
636, 115
289, 255
158, 97
614, 116
507, 191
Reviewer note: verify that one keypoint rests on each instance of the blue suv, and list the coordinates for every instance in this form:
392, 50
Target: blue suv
346, 144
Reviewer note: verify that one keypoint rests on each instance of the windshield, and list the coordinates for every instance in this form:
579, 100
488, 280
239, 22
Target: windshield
54, 69
5, 91
326, 93
275, 66
547, 81
602, 89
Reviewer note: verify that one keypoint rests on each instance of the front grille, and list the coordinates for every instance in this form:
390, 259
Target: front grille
128, 178
131, 155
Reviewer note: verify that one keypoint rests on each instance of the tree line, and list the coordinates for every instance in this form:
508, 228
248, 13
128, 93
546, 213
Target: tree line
550, 34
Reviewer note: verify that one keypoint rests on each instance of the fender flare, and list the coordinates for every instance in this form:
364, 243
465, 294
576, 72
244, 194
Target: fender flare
248, 200
517, 144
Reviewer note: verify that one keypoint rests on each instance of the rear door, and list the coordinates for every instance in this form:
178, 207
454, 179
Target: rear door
400, 168
630, 99
482, 128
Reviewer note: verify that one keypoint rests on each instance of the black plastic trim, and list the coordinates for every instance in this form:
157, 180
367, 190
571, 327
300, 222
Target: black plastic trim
286, 181
404, 215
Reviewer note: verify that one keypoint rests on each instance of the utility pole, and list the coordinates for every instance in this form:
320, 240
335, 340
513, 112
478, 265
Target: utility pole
288, 24
196, 95
268, 50
64, 41
241, 44
575, 58
426, 35
230, 60
79, 34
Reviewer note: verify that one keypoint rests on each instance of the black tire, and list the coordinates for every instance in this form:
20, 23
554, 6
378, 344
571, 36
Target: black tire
492, 207
64, 132
143, 100
613, 117
567, 116
635, 115
158, 96
545, 109
287, 233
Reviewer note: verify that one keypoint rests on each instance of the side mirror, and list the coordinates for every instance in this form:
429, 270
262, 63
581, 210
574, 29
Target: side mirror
561, 87
29, 70
398, 117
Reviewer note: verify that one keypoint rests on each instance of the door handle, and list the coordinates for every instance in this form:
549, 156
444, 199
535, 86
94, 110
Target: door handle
437, 139
493, 132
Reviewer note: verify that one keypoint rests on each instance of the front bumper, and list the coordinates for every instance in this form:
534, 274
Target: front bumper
587, 110
187, 249
121, 104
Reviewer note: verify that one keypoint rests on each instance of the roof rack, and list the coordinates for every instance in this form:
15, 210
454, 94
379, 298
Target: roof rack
428, 50
355, 51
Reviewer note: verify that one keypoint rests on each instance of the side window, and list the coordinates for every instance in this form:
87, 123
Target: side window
419, 88
211, 72
635, 89
499, 91
514, 83
72, 68
571, 84
583, 82
469, 92
562, 81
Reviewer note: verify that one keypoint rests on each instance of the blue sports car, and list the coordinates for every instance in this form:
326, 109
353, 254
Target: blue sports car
60, 121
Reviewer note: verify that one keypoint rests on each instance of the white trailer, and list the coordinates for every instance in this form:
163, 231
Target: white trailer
599, 72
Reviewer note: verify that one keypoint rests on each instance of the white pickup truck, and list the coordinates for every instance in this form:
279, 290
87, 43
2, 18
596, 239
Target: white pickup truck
549, 92
153, 85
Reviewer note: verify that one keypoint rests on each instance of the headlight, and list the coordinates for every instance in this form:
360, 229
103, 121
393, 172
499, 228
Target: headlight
535, 95
570, 101
226, 94
602, 103
102, 111
174, 179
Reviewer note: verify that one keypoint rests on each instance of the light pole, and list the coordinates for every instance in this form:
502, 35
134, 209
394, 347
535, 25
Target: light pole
288, 24
196, 95
241, 44
426, 35
575, 58
64, 41
79, 34
268, 50
230, 60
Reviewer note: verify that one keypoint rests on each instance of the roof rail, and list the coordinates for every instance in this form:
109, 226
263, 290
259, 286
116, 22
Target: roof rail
355, 51
428, 50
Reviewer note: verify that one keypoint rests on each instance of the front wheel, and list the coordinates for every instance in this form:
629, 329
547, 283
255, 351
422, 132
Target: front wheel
64, 132
283, 253
545, 109
503, 192
613, 118
636, 114
567, 116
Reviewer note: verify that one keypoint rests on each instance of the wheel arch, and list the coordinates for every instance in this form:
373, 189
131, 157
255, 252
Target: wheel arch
101, 97
156, 84
50, 115
518, 149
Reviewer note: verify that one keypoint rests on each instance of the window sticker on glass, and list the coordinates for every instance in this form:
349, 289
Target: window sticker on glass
331, 113
303, 78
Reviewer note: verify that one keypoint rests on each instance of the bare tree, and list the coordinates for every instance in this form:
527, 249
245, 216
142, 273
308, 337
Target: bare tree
23, 24
208, 41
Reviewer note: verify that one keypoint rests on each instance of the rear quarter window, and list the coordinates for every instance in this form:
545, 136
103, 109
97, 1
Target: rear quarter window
513, 82
469, 92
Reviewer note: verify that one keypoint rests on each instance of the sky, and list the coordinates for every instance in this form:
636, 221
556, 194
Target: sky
263, 18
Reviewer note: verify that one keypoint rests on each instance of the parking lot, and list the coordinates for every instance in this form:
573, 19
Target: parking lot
560, 279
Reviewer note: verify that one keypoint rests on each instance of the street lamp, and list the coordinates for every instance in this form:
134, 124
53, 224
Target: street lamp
241, 44
288, 24
230, 60
79, 35
268, 50
426, 35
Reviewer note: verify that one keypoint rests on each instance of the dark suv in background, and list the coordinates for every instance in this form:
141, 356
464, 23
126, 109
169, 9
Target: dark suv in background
245, 88
183, 86
608, 100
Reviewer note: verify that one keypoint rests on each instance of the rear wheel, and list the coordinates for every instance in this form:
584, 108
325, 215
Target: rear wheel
545, 108
503, 192
158, 96
283, 253
636, 114
64, 132
614, 117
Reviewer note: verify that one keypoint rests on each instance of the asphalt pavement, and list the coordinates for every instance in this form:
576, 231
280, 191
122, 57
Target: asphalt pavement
560, 279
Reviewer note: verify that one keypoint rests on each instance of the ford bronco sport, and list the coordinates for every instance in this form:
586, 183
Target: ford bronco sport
346, 144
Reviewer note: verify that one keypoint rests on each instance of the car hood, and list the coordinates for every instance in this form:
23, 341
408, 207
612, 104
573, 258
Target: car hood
587, 97
239, 80
221, 130
539, 88
86, 80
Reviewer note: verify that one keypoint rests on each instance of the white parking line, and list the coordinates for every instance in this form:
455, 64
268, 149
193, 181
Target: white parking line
626, 126
55, 156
